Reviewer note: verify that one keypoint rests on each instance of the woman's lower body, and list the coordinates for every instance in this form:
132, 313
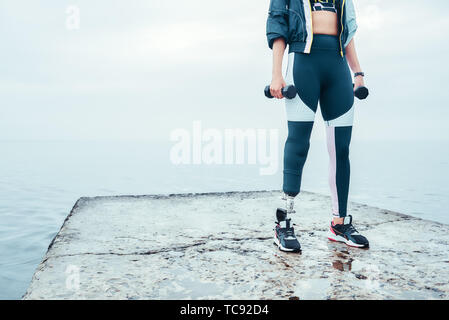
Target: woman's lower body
322, 76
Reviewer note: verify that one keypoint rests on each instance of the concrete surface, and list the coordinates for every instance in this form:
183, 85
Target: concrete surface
219, 246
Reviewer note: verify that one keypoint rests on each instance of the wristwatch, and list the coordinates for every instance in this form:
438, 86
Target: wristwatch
359, 74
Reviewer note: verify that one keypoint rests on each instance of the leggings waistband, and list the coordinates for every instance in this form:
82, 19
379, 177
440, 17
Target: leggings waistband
325, 42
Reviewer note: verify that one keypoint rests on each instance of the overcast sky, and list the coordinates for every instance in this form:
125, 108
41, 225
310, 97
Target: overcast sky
140, 69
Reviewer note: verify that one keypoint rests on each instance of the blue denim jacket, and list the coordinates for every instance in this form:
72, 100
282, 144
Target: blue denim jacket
292, 20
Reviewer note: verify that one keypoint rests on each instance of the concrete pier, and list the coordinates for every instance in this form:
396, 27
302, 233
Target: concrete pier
219, 246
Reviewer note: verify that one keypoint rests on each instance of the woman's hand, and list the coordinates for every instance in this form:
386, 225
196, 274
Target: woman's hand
277, 83
358, 82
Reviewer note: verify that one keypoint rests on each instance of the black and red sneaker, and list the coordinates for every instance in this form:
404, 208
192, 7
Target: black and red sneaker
284, 233
346, 233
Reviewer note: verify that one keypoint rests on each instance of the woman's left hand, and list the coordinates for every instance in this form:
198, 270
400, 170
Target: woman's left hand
358, 82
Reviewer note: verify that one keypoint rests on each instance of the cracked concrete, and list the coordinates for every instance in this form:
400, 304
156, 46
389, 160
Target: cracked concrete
219, 246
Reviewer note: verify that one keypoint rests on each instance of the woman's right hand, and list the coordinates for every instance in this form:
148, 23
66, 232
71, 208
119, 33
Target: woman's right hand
277, 83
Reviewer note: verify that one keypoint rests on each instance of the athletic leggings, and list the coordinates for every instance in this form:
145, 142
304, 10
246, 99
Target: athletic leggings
321, 76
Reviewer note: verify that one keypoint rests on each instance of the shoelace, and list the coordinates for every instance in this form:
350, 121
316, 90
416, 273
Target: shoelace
351, 229
290, 234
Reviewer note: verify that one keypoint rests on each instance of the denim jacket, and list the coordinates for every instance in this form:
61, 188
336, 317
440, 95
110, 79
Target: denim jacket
292, 20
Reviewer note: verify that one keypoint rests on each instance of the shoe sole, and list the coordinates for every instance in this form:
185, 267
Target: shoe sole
335, 238
281, 248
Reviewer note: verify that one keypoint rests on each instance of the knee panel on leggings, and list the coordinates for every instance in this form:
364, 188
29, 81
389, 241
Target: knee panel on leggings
338, 140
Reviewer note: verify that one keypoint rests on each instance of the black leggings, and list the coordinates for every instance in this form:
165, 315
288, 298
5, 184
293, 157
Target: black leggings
321, 76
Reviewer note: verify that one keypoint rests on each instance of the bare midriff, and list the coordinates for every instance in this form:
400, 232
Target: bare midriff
325, 22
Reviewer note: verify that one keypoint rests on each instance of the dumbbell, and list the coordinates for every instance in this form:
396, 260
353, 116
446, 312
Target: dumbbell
361, 92
288, 92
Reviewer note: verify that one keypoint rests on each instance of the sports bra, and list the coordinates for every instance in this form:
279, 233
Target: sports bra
324, 5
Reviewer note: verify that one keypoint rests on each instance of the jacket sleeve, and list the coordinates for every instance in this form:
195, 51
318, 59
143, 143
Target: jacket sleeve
277, 22
351, 21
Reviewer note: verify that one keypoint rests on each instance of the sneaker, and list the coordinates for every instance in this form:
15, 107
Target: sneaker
346, 233
284, 233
